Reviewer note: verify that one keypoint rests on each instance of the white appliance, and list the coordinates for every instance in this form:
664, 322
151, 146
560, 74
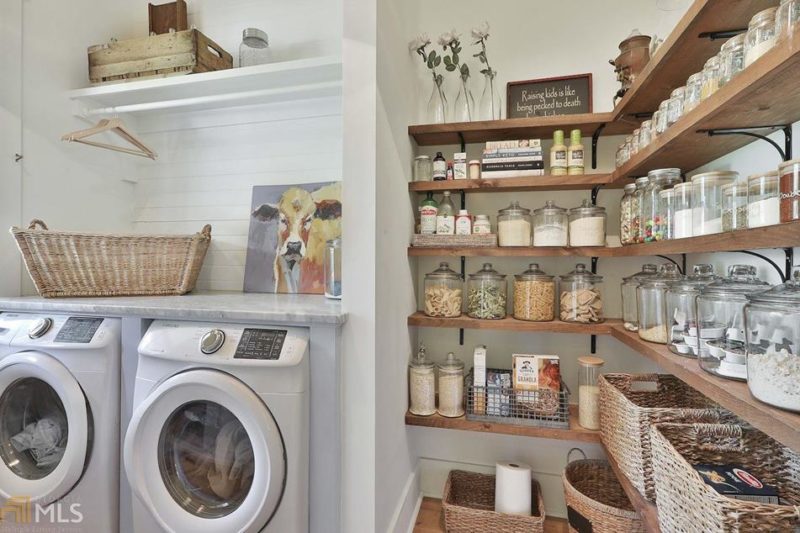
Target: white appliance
218, 440
59, 422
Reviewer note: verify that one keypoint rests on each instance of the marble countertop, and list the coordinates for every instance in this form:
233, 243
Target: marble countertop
198, 305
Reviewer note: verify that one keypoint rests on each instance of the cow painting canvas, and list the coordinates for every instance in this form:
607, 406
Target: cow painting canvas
289, 226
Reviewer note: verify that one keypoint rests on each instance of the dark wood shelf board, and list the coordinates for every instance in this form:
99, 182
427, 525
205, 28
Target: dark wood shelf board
647, 510
538, 183
510, 251
511, 324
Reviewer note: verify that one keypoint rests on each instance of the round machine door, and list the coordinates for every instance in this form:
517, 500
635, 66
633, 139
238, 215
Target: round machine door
203, 453
45, 428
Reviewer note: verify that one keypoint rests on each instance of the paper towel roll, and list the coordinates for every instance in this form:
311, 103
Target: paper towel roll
512, 489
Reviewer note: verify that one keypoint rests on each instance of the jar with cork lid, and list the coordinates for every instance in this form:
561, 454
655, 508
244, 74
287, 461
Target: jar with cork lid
589, 391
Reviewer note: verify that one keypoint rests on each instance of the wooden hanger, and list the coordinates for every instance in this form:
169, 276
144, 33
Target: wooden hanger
114, 125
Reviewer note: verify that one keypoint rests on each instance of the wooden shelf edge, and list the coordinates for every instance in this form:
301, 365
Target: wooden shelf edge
511, 324
536, 183
647, 510
510, 251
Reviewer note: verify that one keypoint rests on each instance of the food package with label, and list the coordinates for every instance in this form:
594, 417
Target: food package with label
537, 382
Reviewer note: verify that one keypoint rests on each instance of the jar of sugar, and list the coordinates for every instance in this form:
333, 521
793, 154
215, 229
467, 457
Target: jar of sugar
587, 225
550, 225
514, 226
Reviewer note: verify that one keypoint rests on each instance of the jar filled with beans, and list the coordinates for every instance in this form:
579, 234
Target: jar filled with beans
443, 292
534, 295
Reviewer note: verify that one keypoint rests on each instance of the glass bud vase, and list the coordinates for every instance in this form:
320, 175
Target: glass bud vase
437, 106
464, 108
491, 105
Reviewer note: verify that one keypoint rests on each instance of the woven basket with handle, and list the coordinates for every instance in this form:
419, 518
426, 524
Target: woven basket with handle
64, 263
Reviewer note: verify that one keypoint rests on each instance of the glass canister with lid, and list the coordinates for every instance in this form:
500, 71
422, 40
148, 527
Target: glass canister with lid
645, 134
734, 206
675, 105
658, 180
760, 36
625, 215
622, 155
486, 294
731, 58
587, 225
421, 385
786, 18
666, 215
550, 225
763, 199
661, 117
637, 233
534, 295
694, 92
790, 190
451, 387
423, 168
630, 311
682, 309
710, 78
589, 392
514, 226
581, 299
682, 212
634, 147
443, 292
720, 333
773, 344
651, 304
707, 200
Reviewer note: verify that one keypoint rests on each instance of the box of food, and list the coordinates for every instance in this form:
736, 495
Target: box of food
536, 372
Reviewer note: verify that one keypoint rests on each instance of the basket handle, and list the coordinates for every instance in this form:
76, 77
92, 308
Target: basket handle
641, 378
569, 453
206, 231
713, 436
37, 222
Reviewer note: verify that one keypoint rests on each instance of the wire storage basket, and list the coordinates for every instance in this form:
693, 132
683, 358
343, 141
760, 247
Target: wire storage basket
499, 402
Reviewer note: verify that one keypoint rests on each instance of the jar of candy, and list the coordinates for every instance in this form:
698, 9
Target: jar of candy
658, 179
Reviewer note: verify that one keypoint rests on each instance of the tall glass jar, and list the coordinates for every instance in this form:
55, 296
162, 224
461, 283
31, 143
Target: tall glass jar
587, 225
682, 311
763, 199
666, 215
514, 226
254, 49
423, 168
589, 368
443, 292
651, 304
662, 224
534, 295
550, 225
731, 59
451, 387
790, 190
662, 117
694, 91
486, 294
760, 35
675, 105
734, 206
710, 77
622, 155
786, 18
645, 134
634, 148
773, 344
630, 311
421, 385
581, 299
707, 200
720, 315
333, 269
637, 230
682, 214
658, 179
625, 215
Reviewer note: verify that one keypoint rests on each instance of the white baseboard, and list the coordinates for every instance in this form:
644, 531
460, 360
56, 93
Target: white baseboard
405, 514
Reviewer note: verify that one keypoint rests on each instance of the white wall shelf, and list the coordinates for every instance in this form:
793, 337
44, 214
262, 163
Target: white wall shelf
274, 82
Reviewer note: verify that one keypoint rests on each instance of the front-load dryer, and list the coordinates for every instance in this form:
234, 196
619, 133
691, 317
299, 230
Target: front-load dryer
59, 423
218, 441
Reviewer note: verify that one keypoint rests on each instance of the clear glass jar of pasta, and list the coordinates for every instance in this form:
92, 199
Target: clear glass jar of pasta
534, 295
443, 292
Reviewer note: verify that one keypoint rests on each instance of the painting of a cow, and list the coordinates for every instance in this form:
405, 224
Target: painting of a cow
289, 226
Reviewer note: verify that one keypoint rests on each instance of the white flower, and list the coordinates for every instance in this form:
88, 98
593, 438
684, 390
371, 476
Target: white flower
481, 31
420, 41
448, 37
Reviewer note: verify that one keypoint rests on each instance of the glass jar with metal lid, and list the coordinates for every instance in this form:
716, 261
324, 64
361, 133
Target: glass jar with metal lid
630, 311
682, 309
625, 215
421, 385
675, 105
662, 117
786, 18
514, 226
694, 92
734, 206
443, 292
720, 333
731, 58
254, 49
760, 35
534, 295
587, 225
634, 148
707, 200
622, 155
651, 304
629, 148
423, 168
486, 294
666, 214
451, 387
637, 231
710, 77
790, 190
550, 225
645, 134
772, 321
658, 180
763, 199
581, 298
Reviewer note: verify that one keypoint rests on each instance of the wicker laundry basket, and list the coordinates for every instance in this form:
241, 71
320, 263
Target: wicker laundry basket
85, 264
687, 503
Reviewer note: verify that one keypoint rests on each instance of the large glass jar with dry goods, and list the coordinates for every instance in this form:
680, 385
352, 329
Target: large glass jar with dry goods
658, 180
589, 391
790, 190
625, 215
637, 231
514, 226
731, 58
587, 225
451, 387
662, 118
675, 105
760, 35
534, 295
707, 200
694, 92
763, 199
581, 298
634, 147
443, 292
682, 212
645, 134
682, 309
652, 306
550, 225
786, 18
421, 385
772, 321
720, 332
734, 206
710, 77
666, 215
622, 155
486, 294
630, 312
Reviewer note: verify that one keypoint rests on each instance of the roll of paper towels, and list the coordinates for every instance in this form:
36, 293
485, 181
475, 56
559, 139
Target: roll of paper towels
512, 489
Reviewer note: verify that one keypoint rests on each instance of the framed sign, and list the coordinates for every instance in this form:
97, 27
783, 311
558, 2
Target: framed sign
567, 95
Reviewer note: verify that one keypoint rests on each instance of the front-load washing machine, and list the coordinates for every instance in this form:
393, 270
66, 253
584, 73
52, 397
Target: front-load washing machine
218, 440
59, 423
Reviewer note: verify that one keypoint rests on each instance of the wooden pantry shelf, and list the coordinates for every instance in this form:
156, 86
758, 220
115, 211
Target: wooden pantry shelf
647, 510
765, 94
510, 251
537, 183
574, 433
684, 51
516, 128
511, 324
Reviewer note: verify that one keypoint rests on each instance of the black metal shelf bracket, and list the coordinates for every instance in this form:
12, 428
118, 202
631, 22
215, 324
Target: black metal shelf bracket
789, 256
463, 278
671, 260
722, 34
593, 338
461, 140
595, 138
595, 192
785, 152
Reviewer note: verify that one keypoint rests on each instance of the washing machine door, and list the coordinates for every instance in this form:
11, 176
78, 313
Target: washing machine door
203, 453
45, 428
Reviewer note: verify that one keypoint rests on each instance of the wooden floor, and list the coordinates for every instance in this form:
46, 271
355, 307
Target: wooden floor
431, 520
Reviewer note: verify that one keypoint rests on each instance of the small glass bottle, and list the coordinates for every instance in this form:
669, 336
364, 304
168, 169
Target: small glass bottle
463, 223
333, 269
589, 391
423, 168
575, 154
446, 217
486, 294
625, 215
421, 385
254, 49
428, 210
451, 387
439, 167
763, 200
558, 155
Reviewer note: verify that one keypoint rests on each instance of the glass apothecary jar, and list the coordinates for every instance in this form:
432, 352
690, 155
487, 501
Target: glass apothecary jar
630, 311
786, 18
423, 168
790, 190
443, 292
581, 298
625, 214
421, 385
514, 226
587, 225
534, 295
658, 180
652, 306
333, 269
662, 118
763, 200
675, 105
637, 231
486, 294
451, 387
773, 344
254, 49
707, 200
589, 368
731, 59
710, 77
734, 206
645, 134
634, 149
629, 148
550, 225
682, 213
760, 36
694, 92
682, 309
720, 334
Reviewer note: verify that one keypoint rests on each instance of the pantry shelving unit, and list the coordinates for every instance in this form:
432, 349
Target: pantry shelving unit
538, 183
511, 324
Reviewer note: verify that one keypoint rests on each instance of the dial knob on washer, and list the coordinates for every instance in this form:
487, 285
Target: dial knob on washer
40, 327
212, 341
